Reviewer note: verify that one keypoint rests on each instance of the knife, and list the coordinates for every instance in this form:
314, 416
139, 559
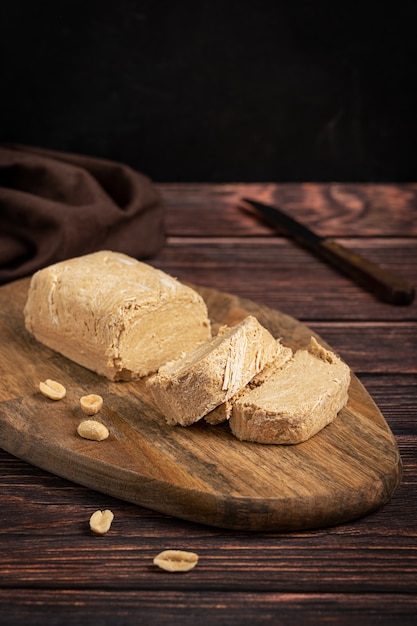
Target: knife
382, 283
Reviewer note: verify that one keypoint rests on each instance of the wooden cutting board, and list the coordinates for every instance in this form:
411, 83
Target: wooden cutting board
200, 473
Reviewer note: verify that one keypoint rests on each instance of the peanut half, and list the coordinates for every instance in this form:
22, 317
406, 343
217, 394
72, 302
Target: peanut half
91, 404
100, 522
90, 429
52, 390
176, 560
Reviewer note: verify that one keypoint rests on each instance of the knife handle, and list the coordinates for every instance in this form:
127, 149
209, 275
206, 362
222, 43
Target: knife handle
381, 282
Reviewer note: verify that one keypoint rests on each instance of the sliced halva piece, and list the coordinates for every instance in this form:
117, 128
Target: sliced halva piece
295, 402
186, 390
115, 315
223, 412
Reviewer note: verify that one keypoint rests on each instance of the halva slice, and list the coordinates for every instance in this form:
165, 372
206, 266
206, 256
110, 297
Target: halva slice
186, 390
223, 412
115, 315
295, 402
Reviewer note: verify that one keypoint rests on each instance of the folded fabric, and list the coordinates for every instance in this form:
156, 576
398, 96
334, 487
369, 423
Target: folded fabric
55, 205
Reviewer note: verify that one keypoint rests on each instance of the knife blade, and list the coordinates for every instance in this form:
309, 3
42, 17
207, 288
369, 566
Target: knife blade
385, 285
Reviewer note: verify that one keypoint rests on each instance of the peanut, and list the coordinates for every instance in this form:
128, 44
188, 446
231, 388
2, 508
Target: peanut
100, 522
52, 390
91, 404
90, 429
176, 560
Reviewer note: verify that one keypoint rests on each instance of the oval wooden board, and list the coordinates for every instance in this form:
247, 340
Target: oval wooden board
200, 473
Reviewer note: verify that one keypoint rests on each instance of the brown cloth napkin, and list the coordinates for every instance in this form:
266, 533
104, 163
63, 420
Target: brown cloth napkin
55, 205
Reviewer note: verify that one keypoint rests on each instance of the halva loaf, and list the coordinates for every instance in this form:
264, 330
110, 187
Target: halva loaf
295, 402
115, 315
186, 390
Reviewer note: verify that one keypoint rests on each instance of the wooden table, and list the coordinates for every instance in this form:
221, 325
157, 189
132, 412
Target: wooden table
52, 571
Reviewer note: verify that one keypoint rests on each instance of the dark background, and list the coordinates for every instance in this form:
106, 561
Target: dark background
216, 91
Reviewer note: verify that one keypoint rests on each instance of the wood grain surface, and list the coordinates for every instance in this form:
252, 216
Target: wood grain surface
200, 473
52, 570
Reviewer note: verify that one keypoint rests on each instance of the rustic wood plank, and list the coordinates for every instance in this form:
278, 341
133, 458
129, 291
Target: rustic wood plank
281, 275
51, 545
395, 395
372, 347
336, 209
106, 607
303, 562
